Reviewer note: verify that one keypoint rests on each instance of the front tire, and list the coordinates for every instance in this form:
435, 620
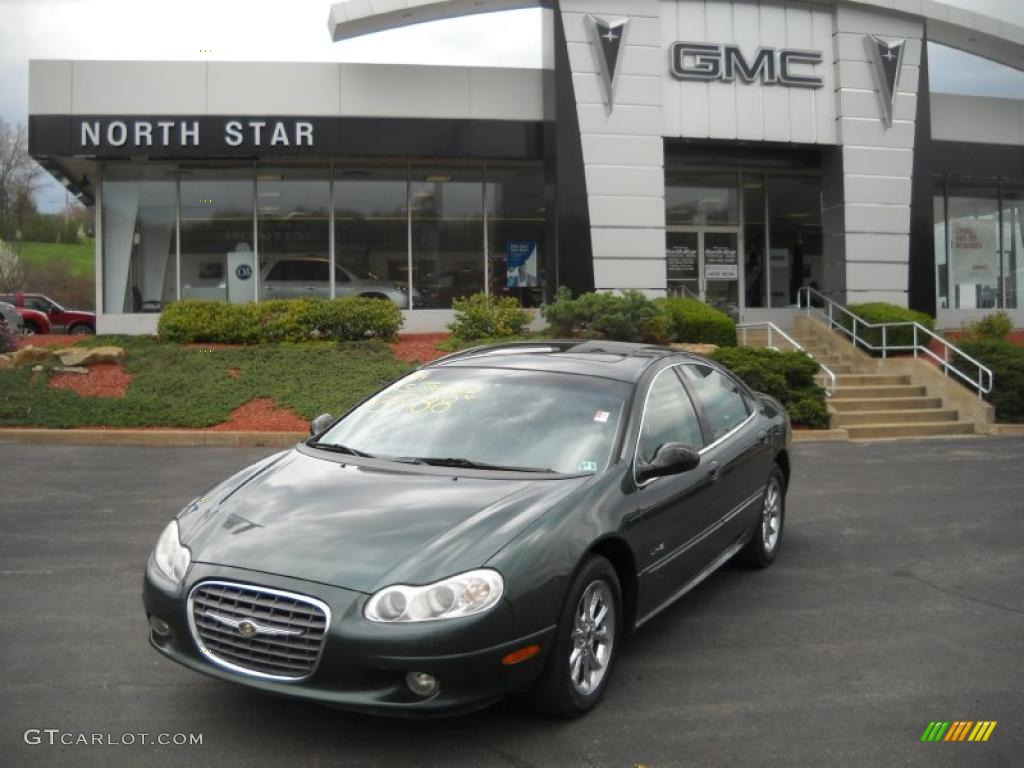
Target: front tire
764, 545
585, 645
30, 328
82, 330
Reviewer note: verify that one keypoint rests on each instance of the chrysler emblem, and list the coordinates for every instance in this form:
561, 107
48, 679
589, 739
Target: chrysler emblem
248, 628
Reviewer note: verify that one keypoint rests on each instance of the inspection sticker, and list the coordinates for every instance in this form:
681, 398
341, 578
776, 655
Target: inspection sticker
587, 466
601, 416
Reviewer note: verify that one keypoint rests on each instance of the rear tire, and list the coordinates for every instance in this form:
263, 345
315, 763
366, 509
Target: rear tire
30, 328
764, 545
585, 644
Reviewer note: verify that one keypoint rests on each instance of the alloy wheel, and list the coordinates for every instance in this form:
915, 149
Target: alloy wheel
593, 636
771, 517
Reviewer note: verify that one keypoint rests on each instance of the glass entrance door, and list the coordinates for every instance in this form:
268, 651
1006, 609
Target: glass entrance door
705, 264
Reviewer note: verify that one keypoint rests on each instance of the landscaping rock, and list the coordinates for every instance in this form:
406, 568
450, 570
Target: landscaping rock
71, 369
697, 349
29, 355
80, 356
6, 361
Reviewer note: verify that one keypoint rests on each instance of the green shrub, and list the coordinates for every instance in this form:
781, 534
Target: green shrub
994, 326
694, 322
351, 318
1006, 361
883, 312
488, 317
786, 376
629, 316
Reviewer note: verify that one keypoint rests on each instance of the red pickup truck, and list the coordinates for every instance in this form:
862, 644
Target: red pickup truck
42, 314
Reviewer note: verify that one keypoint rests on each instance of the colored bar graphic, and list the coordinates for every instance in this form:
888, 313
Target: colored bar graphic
958, 730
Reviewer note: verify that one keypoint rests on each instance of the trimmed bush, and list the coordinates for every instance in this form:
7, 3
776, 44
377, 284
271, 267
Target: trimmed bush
883, 312
694, 322
351, 318
995, 326
1006, 361
786, 376
488, 317
629, 316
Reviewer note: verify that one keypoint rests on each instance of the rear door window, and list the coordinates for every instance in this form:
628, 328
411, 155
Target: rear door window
721, 399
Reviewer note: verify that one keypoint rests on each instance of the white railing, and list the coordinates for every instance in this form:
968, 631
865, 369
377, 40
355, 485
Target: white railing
842, 320
775, 332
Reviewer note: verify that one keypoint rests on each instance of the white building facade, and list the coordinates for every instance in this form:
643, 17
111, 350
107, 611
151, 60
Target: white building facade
734, 150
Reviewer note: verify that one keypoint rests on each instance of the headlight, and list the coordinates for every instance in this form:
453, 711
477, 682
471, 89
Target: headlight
170, 557
402, 287
462, 595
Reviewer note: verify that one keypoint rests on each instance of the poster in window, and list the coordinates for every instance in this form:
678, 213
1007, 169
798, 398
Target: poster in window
521, 263
972, 249
682, 262
721, 263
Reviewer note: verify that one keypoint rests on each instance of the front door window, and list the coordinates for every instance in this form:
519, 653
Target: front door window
705, 265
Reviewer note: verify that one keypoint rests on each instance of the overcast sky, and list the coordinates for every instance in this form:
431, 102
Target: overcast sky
296, 30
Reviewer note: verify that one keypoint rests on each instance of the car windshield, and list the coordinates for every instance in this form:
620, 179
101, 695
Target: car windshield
486, 417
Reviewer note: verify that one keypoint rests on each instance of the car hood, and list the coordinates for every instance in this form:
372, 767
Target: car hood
362, 526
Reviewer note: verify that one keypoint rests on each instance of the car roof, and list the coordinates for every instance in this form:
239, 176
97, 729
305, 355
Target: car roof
618, 360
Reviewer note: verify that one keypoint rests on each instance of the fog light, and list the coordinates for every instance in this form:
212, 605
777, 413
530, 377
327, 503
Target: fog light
159, 627
422, 684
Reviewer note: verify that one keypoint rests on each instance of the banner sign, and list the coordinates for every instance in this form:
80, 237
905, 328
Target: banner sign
972, 250
521, 263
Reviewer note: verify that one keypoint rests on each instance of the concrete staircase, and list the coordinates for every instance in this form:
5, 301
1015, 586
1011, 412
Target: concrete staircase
869, 403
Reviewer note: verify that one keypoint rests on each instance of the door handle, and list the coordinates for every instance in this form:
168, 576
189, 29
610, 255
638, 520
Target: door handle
714, 471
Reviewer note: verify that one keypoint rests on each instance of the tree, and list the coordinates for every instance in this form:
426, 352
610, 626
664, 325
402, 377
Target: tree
19, 177
12, 273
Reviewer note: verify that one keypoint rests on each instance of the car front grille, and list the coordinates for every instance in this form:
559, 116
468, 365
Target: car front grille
260, 631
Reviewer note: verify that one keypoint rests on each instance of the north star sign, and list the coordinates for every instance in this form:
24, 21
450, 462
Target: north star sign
707, 62
145, 134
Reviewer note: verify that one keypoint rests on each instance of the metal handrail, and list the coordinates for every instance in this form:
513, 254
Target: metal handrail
773, 329
829, 308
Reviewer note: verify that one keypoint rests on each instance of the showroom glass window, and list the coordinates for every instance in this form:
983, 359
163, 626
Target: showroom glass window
518, 262
293, 231
217, 248
796, 248
972, 246
371, 231
447, 234
701, 199
755, 268
1013, 247
139, 250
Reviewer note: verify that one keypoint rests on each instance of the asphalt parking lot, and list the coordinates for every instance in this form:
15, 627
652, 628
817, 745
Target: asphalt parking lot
897, 599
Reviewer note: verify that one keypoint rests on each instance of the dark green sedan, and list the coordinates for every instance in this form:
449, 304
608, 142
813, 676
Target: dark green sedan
494, 523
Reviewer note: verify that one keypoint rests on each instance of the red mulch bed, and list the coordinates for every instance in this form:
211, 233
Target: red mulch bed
261, 415
44, 340
418, 347
102, 380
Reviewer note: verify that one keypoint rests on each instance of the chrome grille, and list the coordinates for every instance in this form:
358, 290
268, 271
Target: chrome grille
258, 630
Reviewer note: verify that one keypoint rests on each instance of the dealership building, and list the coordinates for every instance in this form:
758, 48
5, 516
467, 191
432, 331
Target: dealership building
733, 150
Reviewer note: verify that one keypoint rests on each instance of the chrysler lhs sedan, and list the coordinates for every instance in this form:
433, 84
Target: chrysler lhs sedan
496, 522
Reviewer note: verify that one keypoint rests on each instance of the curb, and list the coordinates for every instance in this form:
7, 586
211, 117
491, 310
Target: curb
1006, 430
819, 435
157, 437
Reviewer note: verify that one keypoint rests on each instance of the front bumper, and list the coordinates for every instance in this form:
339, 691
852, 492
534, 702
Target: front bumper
364, 664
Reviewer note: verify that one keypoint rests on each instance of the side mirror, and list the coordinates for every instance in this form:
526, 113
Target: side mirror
671, 459
320, 423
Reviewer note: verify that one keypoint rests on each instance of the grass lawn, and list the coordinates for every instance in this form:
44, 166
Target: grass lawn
81, 256
175, 386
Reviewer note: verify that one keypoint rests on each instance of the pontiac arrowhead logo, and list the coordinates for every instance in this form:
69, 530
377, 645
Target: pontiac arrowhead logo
888, 58
609, 39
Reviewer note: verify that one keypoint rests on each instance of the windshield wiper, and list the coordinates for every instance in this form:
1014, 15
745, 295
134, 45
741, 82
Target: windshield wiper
468, 464
338, 448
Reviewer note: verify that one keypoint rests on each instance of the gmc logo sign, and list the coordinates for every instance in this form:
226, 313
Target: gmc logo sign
705, 62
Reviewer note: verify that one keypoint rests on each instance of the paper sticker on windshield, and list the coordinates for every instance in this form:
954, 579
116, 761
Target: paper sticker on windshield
601, 416
587, 466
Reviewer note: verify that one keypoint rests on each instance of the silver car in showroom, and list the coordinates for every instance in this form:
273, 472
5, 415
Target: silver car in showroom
309, 277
